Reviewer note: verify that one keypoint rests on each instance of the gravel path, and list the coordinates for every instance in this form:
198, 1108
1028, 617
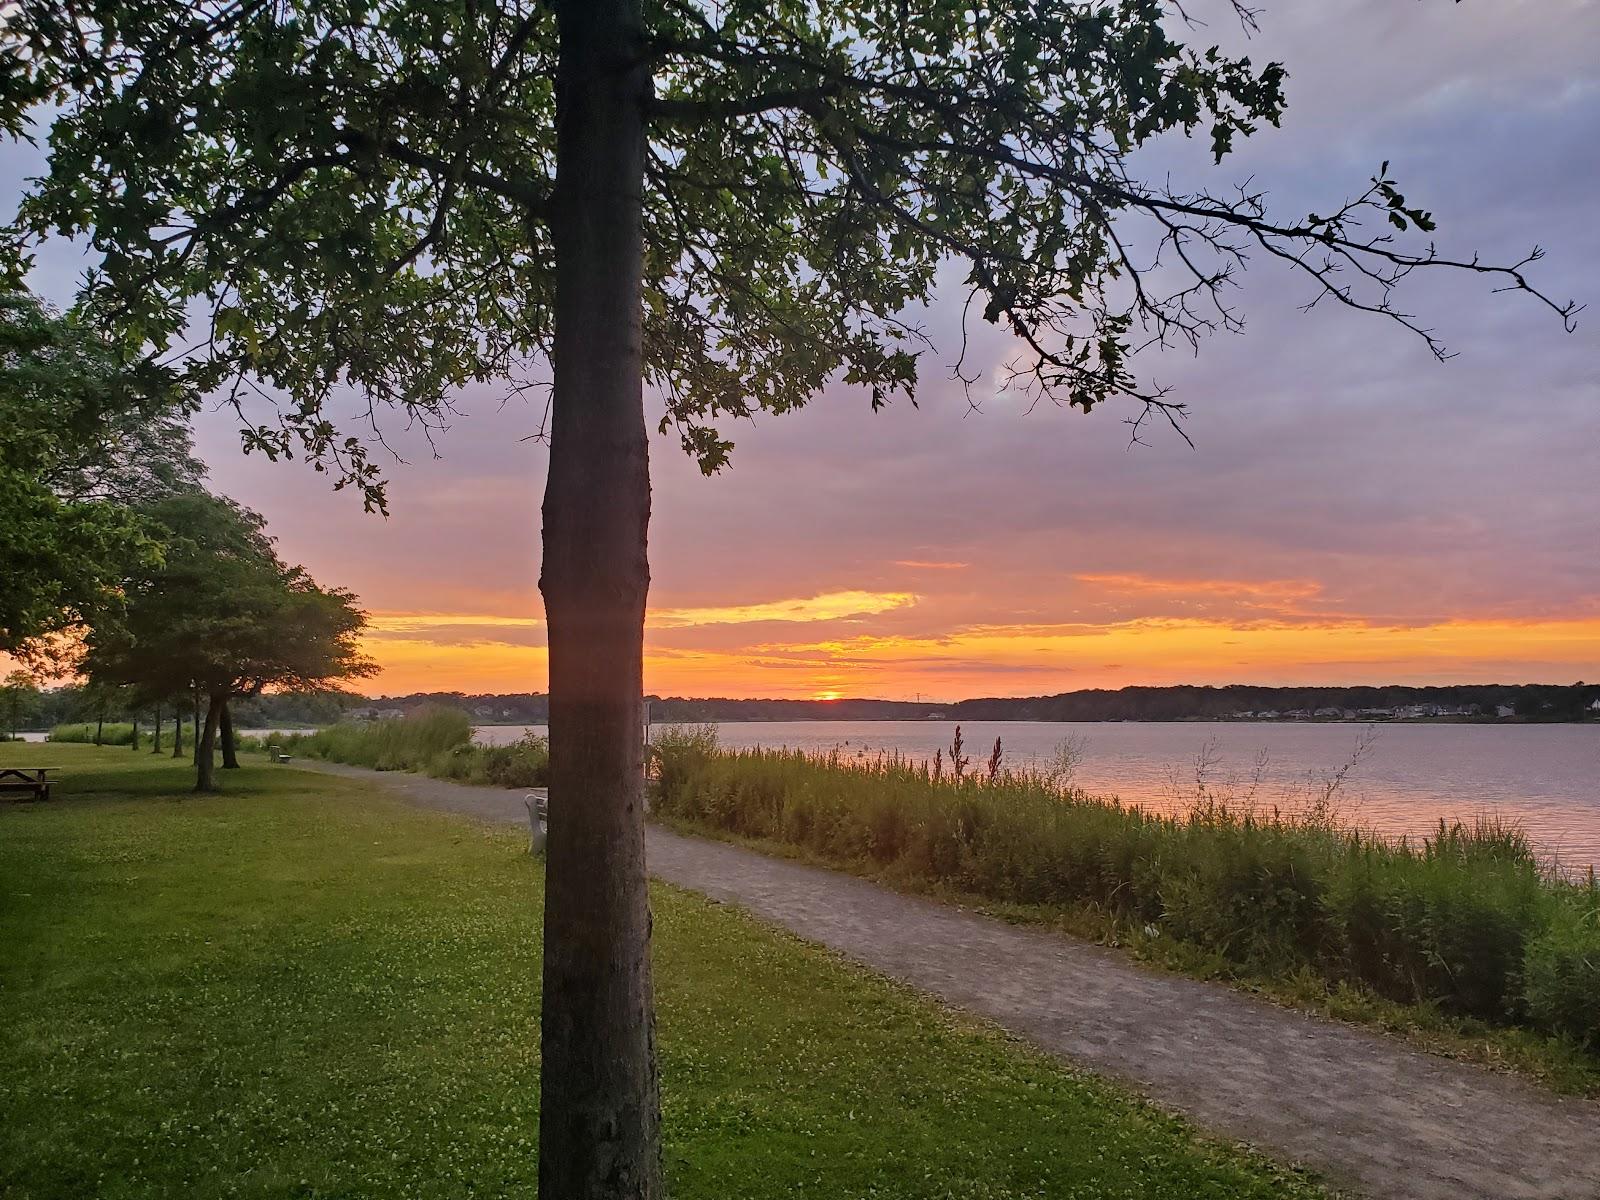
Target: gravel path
1365, 1110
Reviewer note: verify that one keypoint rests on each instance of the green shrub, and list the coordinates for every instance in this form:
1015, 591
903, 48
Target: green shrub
1252, 891
116, 733
1561, 971
523, 763
436, 741
675, 748
1447, 922
408, 743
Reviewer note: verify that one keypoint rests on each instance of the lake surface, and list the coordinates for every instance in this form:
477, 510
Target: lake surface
1546, 777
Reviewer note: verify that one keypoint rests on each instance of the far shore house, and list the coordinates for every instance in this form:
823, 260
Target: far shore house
372, 713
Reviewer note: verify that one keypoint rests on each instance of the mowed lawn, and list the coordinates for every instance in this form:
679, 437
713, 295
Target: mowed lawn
303, 988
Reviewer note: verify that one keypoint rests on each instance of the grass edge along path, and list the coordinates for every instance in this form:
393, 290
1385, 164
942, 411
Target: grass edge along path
1549, 1063
301, 987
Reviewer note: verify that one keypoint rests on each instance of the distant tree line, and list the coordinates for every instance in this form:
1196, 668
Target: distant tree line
1550, 702
280, 710
1526, 701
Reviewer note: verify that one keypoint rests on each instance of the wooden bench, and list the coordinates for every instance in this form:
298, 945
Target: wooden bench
276, 755
34, 781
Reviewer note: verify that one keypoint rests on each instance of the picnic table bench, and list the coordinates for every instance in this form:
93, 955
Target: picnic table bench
36, 781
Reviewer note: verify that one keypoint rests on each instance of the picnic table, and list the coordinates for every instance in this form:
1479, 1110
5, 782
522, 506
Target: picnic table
35, 780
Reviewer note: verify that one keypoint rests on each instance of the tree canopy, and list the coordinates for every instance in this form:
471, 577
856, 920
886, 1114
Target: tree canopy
19, 700
89, 435
222, 613
357, 194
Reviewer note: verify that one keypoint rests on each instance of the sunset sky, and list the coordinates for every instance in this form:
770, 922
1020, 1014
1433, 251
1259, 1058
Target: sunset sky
1351, 512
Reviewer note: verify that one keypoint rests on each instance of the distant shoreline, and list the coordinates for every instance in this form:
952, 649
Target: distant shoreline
1451, 704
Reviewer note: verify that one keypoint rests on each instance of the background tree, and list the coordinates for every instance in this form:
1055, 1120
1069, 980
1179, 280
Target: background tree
88, 436
19, 700
222, 613
734, 202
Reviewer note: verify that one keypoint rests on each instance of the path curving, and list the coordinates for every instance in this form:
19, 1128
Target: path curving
1367, 1111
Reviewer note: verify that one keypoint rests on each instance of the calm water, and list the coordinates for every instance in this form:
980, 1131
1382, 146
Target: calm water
1547, 777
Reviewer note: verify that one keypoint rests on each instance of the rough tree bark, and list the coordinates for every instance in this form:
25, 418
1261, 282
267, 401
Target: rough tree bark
599, 1131
205, 748
230, 749
196, 735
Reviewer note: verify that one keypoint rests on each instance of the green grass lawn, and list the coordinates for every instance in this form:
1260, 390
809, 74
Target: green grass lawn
302, 988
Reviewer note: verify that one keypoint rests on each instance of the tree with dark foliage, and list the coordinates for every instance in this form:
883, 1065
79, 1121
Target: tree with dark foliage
731, 203
85, 435
222, 614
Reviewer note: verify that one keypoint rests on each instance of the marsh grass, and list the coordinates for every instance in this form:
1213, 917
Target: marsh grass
1466, 922
303, 988
436, 741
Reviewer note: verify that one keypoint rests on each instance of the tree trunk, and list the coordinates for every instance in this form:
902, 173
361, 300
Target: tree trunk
156, 749
177, 733
134, 741
195, 736
230, 749
599, 1117
99, 726
205, 747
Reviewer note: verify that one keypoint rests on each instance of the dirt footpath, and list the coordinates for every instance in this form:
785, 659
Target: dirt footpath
1365, 1110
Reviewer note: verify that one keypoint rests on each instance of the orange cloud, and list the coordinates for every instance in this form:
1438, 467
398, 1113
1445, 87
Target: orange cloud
1269, 589
423, 622
828, 606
